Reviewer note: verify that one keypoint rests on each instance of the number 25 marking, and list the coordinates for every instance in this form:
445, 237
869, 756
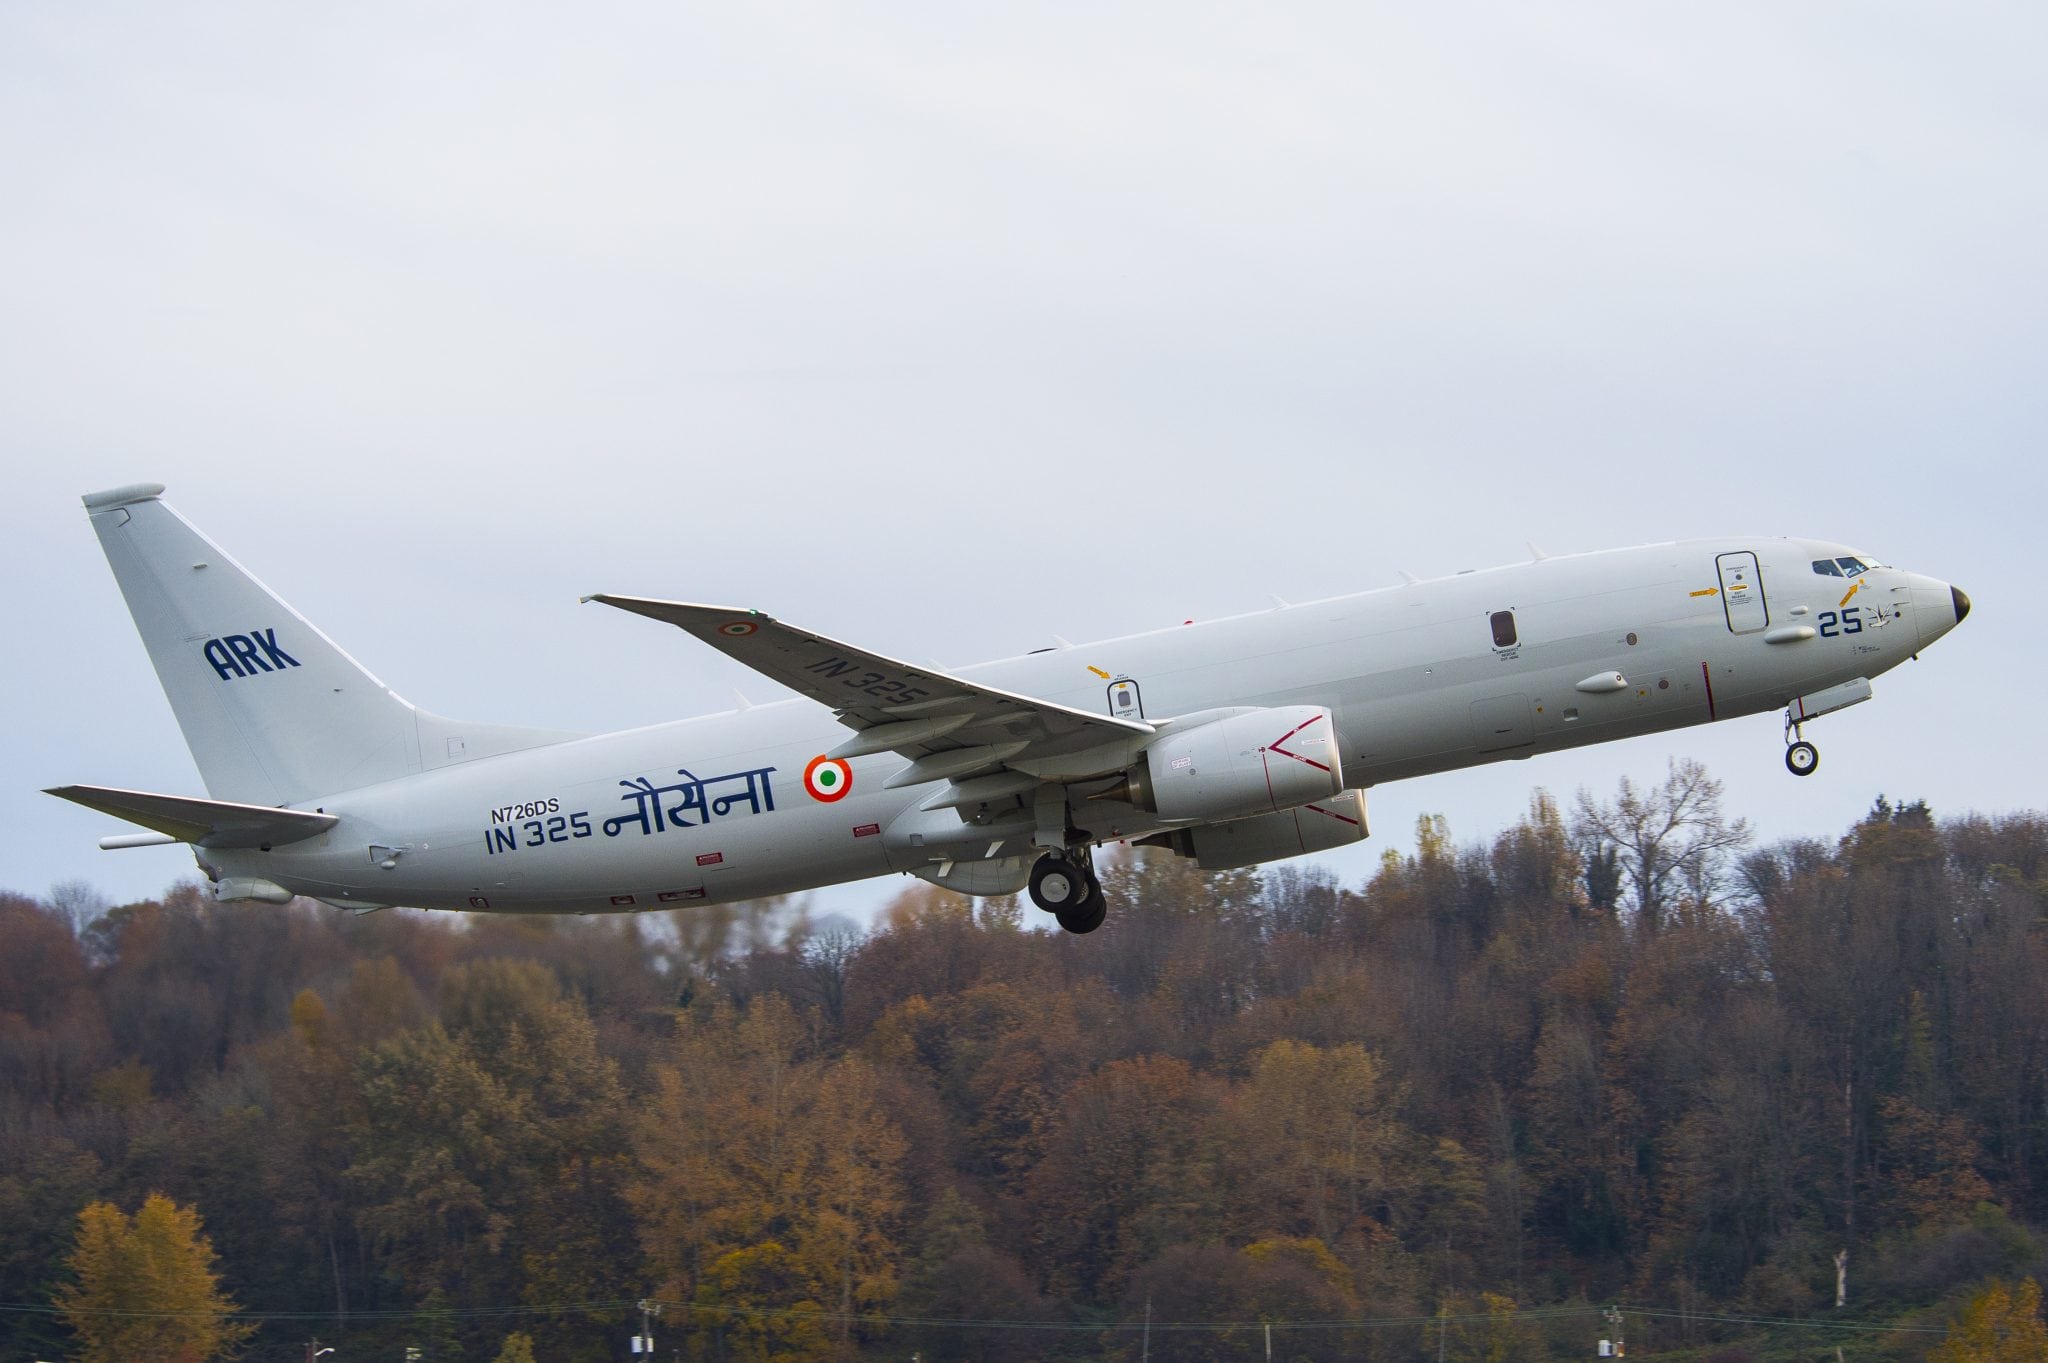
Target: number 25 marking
1850, 621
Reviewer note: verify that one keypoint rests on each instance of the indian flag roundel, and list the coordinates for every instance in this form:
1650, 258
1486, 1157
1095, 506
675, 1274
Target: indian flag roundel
828, 779
738, 629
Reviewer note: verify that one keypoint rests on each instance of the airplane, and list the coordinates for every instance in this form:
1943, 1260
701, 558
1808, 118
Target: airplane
1233, 742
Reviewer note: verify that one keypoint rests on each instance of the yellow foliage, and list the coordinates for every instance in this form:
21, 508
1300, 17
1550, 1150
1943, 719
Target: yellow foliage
780, 1165
2002, 1325
309, 1018
146, 1289
1309, 1253
518, 1348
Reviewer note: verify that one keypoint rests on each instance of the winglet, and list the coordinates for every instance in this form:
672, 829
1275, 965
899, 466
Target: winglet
122, 496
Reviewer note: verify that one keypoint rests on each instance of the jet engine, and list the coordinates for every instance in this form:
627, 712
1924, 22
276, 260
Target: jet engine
1320, 827
1252, 762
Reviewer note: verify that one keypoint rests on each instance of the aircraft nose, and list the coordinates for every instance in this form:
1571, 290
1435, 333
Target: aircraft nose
1938, 607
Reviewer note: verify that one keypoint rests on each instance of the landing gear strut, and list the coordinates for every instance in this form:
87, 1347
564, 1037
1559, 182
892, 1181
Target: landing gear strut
1801, 757
1064, 885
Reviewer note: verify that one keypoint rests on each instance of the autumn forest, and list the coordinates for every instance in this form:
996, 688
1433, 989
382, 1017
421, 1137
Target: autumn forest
1773, 1099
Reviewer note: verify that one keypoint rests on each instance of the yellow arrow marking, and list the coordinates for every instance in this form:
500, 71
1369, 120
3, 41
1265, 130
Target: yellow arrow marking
1851, 592
1098, 672
1710, 591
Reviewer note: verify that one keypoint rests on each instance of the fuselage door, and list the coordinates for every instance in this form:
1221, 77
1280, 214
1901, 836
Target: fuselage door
1124, 700
1742, 592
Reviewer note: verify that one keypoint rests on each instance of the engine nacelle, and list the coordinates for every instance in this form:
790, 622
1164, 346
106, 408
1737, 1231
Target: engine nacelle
1320, 827
1256, 762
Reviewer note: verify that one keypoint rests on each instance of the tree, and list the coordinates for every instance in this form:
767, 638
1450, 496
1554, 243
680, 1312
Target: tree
1329, 1150
1131, 1168
1931, 1166
2001, 1325
1568, 1141
518, 1349
146, 1289
1673, 842
756, 1299
1489, 1332
771, 1180
43, 1185
1275, 1284
488, 1151
959, 1276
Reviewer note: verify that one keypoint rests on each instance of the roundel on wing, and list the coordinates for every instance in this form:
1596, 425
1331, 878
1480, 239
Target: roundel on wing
738, 629
827, 779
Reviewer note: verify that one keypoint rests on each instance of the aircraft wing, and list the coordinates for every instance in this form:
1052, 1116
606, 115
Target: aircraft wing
946, 725
209, 823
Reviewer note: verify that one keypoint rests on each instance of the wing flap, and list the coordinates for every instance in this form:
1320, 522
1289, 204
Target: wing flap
921, 711
207, 823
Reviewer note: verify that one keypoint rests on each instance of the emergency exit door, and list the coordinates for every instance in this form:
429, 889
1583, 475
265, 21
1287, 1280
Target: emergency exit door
1742, 593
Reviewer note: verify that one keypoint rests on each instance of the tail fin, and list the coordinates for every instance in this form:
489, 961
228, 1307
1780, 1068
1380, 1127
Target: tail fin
273, 710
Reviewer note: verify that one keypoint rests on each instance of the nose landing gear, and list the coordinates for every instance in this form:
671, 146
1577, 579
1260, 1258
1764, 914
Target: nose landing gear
1064, 885
1801, 757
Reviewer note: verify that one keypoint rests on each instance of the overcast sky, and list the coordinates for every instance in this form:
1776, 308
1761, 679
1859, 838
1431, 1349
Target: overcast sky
945, 328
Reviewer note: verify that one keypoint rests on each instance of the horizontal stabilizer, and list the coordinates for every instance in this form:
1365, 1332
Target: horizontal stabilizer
208, 823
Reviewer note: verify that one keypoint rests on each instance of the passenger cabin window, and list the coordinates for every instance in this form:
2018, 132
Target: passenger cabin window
1503, 629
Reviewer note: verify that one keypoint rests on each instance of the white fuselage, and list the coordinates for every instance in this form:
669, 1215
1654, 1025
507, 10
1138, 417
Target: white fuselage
1600, 646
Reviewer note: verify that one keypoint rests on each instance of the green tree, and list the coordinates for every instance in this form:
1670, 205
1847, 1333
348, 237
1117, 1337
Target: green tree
42, 1190
146, 1290
958, 1275
489, 1157
434, 1326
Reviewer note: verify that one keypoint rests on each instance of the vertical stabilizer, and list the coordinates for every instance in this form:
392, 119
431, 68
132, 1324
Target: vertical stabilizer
273, 710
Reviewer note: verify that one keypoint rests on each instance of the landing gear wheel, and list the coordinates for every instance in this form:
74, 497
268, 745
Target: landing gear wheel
1059, 886
1085, 916
1802, 758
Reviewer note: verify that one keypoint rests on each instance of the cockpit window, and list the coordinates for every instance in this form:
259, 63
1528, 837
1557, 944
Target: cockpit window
1852, 566
1826, 565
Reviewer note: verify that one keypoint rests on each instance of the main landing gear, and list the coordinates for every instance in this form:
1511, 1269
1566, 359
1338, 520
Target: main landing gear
1064, 885
1801, 757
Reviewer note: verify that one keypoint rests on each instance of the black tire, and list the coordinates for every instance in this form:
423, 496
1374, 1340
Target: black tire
1802, 759
1058, 885
1086, 916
